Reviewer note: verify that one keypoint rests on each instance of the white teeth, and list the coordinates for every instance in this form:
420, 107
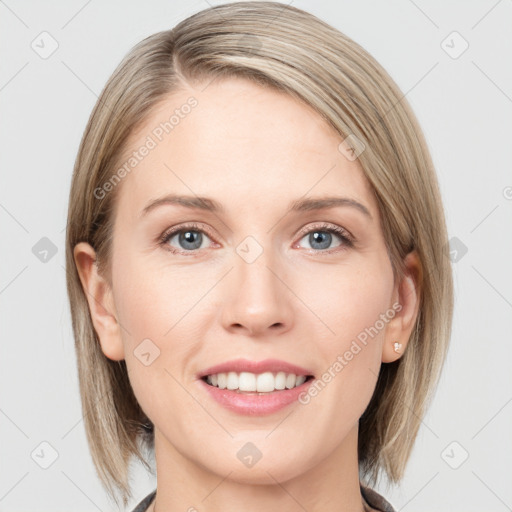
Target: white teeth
232, 381
250, 382
264, 383
221, 380
280, 380
247, 381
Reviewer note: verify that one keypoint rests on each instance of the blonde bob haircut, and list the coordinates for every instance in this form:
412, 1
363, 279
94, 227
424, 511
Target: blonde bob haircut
291, 51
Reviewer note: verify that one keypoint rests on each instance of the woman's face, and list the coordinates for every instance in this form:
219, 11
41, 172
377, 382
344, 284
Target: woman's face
256, 279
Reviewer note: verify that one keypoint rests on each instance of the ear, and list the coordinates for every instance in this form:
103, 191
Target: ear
406, 298
101, 302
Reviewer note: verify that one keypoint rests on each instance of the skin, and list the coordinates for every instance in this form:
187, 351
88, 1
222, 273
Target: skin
254, 150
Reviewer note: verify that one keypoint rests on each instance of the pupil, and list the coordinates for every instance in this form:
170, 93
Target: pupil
318, 236
188, 238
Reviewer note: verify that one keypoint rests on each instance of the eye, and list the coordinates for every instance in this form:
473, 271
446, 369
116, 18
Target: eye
320, 237
189, 238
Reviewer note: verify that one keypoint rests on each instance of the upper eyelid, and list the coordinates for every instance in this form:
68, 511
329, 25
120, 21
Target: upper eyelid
325, 225
194, 226
197, 226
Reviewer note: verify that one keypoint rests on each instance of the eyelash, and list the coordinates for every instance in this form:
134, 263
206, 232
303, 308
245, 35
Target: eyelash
346, 237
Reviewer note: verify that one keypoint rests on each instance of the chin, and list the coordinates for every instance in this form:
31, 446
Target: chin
262, 473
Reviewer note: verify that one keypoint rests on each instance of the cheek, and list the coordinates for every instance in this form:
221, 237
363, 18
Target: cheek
152, 305
150, 299
355, 306
361, 307
164, 311
348, 299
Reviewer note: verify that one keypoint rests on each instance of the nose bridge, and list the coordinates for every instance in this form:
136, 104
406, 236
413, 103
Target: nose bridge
255, 257
258, 298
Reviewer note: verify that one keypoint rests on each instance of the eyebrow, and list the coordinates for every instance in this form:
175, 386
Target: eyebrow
300, 205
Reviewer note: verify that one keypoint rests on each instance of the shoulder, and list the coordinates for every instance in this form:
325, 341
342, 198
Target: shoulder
144, 504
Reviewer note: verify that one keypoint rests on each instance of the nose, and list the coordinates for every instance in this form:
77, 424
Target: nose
258, 301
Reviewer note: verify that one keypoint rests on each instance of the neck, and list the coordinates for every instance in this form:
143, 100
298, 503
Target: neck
330, 484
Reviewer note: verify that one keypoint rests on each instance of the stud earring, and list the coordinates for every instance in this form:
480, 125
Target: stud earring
398, 346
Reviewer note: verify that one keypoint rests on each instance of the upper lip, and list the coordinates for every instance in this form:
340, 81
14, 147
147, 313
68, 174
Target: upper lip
245, 365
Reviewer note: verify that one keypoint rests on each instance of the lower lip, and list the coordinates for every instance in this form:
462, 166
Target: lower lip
254, 404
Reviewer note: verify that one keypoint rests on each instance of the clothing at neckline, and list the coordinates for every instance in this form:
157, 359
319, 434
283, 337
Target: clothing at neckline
370, 496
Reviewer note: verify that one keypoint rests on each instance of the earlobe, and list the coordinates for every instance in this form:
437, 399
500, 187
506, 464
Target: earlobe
101, 302
400, 328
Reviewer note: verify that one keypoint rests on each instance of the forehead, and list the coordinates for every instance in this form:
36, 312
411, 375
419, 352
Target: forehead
238, 142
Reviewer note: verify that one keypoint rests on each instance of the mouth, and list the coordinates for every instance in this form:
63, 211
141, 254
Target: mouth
255, 388
255, 383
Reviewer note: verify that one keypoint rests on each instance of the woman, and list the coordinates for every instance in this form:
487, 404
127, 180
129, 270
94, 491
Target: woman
259, 291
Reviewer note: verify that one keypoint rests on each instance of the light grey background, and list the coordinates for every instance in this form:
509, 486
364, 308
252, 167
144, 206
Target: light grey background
464, 105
